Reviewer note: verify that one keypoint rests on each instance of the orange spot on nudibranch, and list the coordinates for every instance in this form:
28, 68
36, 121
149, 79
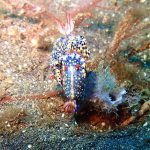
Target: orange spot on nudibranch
77, 66
52, 77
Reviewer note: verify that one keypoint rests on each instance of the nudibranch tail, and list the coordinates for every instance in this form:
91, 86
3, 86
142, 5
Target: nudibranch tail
70, 106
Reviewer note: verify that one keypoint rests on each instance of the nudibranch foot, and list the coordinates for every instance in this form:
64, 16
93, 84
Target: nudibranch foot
70, 106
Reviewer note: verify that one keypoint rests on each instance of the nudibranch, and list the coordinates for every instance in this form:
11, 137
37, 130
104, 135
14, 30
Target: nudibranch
68, 62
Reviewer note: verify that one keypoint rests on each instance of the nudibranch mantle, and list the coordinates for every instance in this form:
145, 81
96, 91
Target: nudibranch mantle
73, 79
68, 62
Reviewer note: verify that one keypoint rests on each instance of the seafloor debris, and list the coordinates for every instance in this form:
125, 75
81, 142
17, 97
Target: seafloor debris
51, 109
11, 120
144, 108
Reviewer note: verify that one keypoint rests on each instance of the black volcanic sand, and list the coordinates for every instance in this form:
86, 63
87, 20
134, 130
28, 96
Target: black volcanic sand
63, 135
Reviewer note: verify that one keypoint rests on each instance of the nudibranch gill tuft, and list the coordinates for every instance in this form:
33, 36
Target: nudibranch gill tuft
68, 61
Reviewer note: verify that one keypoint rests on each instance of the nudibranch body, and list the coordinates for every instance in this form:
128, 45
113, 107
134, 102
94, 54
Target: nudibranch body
68, 61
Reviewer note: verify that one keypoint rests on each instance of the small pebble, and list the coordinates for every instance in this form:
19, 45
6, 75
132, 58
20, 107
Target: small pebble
30, 146
23, 131
142, 1
66, 125
145, 124
103, 124
62, 115
8, 125
63, 138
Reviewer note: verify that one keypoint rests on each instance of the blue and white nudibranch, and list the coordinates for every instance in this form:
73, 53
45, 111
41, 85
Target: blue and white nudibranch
68, 61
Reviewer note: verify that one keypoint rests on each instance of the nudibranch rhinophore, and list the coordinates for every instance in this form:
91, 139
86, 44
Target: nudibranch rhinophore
68, 61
